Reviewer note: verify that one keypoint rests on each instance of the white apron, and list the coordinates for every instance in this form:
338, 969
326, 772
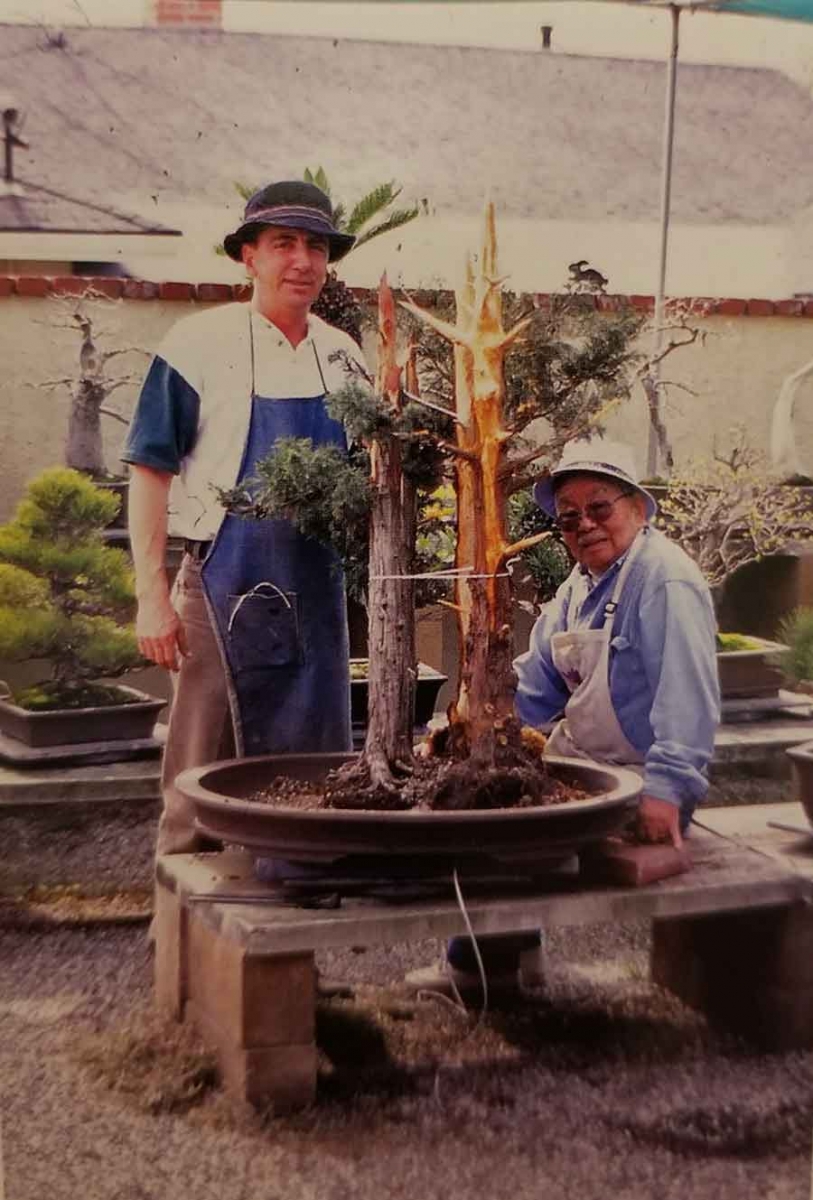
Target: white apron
589, 727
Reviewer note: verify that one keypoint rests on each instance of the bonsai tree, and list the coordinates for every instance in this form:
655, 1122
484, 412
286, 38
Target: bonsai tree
63, 592
732, 511
90, 385
568, 365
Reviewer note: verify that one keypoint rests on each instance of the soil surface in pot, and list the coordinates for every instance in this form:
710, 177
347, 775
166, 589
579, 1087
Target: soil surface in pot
436, 783
46, 697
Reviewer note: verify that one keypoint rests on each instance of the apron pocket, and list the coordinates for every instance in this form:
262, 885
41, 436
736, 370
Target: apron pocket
263, 631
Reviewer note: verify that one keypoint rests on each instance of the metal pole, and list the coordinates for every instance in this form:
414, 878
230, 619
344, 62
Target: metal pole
666, 196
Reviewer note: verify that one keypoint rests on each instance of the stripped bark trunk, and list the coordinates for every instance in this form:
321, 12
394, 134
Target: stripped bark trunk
392, 667
484, 707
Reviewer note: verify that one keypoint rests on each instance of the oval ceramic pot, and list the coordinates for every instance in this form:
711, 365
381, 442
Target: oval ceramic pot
802, 759
518, 836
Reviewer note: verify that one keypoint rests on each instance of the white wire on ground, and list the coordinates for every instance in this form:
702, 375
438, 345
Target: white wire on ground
483, 980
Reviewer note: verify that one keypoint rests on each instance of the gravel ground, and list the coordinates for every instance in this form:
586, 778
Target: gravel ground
598, 1085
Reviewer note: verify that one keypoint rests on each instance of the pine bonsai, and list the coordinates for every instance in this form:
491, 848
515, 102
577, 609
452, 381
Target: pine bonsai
64, 593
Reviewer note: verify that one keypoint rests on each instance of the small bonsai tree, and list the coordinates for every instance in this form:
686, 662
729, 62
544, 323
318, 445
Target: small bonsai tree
63, 592
732, 511
90, 385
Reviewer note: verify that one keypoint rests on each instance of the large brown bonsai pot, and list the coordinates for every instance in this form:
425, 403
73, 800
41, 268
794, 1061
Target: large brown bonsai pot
521, 836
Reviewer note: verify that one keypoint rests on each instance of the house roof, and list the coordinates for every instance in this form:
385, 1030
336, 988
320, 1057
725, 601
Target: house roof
139, 115
30, 208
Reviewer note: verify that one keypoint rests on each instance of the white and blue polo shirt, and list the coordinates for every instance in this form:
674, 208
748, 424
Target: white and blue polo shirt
193, 413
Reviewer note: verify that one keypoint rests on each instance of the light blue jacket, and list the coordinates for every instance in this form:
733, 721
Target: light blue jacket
663, 665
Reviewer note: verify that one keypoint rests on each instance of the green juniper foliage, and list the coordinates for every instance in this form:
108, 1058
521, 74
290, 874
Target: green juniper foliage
571, 364
63, 591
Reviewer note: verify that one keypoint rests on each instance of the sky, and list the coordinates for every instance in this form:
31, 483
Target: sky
591, 28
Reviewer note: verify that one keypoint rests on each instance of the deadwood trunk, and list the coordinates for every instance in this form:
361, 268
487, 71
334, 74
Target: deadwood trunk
392, 666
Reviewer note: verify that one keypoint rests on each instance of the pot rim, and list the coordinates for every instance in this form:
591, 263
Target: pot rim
627, 789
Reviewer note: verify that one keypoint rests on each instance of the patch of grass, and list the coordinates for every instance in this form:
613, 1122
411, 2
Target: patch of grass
159, 1065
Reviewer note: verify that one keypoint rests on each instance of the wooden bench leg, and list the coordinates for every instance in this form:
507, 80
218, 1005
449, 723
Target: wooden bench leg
258, 1012
749, 972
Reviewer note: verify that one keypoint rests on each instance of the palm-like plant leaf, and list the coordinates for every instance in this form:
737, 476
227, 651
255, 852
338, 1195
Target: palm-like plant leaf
317, 177
401, 216
371, 205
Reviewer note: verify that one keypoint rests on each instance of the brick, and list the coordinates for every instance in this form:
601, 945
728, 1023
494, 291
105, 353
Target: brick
176, 291
702, 306
731, 308
790, 308
609, 303
140, 289
619, 862
108, 286
33, 285
71, 285
243, 291
216, 292
809, 308
256, 1000
282, 1077
170, 932
643, 303
6, 285
760, 308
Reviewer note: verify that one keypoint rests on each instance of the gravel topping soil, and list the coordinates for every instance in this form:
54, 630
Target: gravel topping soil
596, 1086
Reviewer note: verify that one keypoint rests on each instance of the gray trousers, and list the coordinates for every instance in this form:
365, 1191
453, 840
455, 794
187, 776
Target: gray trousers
200, 726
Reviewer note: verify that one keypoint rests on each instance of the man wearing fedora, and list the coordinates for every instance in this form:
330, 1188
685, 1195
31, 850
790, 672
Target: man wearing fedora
255, 629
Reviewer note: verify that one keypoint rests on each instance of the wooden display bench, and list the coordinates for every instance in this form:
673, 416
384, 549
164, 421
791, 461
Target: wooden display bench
732, 937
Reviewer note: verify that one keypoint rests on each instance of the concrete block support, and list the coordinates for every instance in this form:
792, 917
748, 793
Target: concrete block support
258, 1011
750, 972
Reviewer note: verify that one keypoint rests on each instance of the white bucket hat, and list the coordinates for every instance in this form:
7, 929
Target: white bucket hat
595, 457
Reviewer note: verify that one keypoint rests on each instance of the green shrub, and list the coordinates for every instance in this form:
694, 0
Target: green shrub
796, 632
64, 594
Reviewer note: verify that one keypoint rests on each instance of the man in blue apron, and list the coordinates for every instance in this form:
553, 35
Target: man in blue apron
255, 629
622, 664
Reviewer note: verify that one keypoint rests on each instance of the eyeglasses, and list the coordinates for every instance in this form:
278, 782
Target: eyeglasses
598, 512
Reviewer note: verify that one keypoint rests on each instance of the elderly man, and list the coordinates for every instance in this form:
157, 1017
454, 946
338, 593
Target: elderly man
621, 668
256, 630
622, 662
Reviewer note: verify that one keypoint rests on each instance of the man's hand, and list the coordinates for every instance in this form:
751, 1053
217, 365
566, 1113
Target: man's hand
161, 635
658, 821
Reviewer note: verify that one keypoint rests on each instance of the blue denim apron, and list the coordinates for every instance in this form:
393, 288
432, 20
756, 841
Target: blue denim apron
277, 604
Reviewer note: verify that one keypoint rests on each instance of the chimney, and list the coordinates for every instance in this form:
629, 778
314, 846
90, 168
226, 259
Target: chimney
186, 14
547, 35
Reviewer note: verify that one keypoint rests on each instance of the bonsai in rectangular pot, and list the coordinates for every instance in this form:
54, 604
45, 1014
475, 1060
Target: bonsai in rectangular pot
748, 666
64, 597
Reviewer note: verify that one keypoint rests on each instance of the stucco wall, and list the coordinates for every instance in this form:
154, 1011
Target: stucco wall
735, 374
